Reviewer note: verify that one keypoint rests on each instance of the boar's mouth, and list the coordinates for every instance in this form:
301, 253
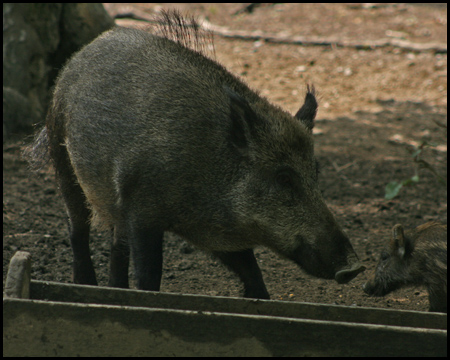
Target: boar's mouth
341, 268
374, 288
370, 289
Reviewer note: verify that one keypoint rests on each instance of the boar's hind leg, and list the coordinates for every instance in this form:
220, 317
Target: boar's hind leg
146, 249
119, 259
79, 215
244, 264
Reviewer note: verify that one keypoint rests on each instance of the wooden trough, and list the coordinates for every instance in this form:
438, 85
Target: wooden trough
74, 320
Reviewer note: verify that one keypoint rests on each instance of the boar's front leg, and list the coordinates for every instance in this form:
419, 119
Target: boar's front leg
244, 264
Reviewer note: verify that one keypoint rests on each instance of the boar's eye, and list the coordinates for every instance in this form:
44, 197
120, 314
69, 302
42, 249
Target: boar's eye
384, 256
284, 179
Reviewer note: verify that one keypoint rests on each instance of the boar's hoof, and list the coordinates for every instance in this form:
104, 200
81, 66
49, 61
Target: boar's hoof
344, 276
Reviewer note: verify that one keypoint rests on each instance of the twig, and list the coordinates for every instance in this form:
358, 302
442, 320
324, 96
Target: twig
323, 41
304, 40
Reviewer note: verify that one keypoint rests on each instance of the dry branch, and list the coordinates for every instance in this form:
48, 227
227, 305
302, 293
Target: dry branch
322, 41
302, 40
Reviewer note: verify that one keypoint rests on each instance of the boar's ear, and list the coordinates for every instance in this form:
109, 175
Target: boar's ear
401, 243
242, 119
308, 111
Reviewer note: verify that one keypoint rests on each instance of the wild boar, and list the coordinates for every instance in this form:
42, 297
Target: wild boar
148, 135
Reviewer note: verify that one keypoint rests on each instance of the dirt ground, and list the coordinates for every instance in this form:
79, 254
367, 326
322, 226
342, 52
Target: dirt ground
375, 104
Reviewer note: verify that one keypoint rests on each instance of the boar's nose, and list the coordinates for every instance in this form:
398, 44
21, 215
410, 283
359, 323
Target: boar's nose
345, 275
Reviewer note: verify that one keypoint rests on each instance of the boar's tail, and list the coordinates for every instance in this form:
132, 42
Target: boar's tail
37, 153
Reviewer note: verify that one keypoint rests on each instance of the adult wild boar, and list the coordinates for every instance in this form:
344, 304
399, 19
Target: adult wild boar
147, 135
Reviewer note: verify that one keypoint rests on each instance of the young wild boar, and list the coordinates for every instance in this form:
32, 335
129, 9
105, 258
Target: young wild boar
147, 135
414, 257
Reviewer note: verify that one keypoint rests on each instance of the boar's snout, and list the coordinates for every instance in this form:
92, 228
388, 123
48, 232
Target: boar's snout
344, 276
324, 250
327, 259
349, 272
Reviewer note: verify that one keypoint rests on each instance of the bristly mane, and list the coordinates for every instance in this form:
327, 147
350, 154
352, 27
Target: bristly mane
186, 31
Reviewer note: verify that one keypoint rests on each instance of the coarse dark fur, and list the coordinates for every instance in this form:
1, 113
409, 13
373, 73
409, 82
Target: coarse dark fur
147, 135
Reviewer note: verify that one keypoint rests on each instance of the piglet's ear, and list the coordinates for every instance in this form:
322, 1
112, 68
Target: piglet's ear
403, 244
399, 240
308, 111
